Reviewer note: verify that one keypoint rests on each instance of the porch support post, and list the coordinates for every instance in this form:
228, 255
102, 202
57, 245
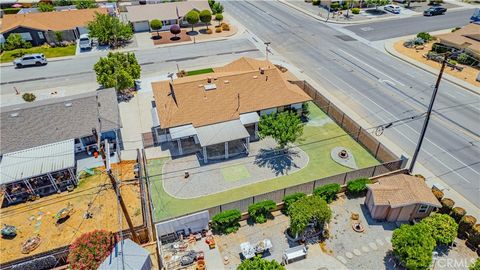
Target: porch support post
9, 199
205, 158
25, 181
247, 142
256, 131
73, 176
226, 150
180, 150
52, 181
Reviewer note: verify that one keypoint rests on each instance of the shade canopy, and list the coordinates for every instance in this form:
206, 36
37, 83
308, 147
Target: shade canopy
37, 161
127, 255
182, 132
249, 118
221, 132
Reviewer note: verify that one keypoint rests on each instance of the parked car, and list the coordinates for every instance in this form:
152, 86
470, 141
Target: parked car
85, 42
392, 8
432, 11
476, 16
36, 59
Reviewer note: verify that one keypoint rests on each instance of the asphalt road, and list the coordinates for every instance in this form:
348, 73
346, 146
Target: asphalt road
379, 88
403, 27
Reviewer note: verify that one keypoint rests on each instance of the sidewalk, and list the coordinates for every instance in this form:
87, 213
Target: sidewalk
388, 46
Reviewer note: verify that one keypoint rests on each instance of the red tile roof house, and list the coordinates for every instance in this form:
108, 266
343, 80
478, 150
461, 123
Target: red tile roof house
400, 197
40, 28
217, 114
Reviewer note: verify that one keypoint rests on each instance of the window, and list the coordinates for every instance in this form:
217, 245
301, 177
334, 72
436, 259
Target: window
26, 36
423, 208
40, 35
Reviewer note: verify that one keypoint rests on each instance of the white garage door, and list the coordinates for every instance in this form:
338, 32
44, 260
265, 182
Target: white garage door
141, 26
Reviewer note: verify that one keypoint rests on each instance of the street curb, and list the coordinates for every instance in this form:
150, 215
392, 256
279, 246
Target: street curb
388, 46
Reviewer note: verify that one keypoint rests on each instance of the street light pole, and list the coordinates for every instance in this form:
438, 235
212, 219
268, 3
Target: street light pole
427, 118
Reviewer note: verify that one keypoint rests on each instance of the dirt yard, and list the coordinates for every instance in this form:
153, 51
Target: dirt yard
468, 74
94, 194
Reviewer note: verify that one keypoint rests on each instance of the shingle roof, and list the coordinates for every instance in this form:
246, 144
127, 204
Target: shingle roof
54, 21
164, 11
57, 119
236, 93
466, 37
401, 190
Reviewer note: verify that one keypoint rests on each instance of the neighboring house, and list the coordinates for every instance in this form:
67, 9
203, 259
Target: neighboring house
400, 197
53, 120
467, 38
217, 114
127, 255
40, 28
169, 13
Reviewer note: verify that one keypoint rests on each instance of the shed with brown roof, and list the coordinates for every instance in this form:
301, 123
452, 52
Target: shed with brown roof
400, 197
39, 28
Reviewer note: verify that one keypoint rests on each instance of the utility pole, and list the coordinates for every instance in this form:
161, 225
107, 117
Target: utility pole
115, 186
266, 49
427, 118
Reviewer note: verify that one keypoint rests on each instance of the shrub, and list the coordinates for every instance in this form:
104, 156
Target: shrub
443, 227
474, 237
225, 27
457, 213
15, 41
258, 262
306, 210
357, 187
456, 28
209, 31
327, 192
466, 59
90, 249
452, 62
439, 48
45, 7
11, 10
437, 193
355, 10
226, 221
465, 226
475, 265
334, 5
447, 205
29, 97
218, 29
316, 2
259, 211
219, 18
413, 245
425, 36
291, 198
175, 29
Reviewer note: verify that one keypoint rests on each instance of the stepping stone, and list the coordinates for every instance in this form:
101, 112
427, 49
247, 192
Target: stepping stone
365, 249
357, 252
388, 239
349, 255
380, 242
373, 246
342, 259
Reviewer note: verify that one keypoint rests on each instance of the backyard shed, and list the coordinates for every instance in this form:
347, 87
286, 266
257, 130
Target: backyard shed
127, 255
171, 229
400, 197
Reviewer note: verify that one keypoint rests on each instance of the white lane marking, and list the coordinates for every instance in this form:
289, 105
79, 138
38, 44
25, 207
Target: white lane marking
403, 135
371, 67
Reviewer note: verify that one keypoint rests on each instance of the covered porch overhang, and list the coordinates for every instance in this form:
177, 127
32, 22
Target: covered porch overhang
38, 171
250, 121
182, 132
219, 134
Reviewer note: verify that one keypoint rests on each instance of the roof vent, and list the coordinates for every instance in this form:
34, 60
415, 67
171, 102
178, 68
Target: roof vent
255, 76
226, 82
210, 86
209, 80
262, 71
68, 104
15, 114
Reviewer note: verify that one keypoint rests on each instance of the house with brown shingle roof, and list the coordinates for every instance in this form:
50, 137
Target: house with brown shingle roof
217, 114
467, 38
400, 197
39, 28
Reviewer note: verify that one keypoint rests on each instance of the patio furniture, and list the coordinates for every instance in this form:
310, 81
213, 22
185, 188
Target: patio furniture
31, 244
263, 246
210, 242
9, 231
248, 251
294, 253
64, 212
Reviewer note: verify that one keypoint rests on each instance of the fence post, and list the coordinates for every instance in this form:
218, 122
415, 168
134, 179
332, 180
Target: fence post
376, 151
328, 107
358, 135
341, 123
374, 170
345, 178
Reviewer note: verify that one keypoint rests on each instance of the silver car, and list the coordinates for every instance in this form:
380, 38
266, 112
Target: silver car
36, 59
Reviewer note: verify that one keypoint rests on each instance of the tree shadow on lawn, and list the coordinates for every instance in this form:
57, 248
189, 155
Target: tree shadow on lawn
279, 161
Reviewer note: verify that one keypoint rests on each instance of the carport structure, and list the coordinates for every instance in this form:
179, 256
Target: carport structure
38, 171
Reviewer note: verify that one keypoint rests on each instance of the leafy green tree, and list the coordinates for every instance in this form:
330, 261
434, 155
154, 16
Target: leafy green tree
175, 30
219, 18
205, 17
306, 210
58, 36
258, 263
84, 4
285, 127
109, 30
414, 245
217, 8
291, 198
444, 228
475, 265
192, 17
211, 3
377, 3
45, 7
15, 41
156, 25
119, 70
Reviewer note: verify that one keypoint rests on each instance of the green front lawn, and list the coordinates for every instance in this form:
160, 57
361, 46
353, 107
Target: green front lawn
199, 71
317, 141
8, 56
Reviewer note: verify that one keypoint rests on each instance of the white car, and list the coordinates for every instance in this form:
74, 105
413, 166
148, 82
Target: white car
85, 42
36, 59
392, 8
